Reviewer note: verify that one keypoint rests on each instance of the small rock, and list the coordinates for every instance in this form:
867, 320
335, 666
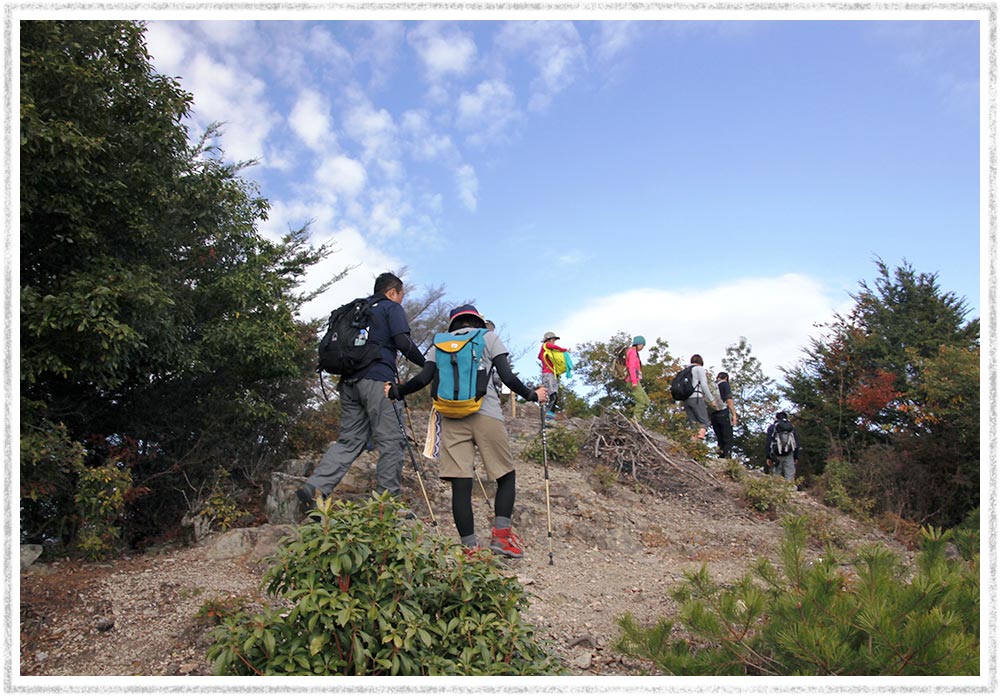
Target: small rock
41, 657
583, 661
105, 624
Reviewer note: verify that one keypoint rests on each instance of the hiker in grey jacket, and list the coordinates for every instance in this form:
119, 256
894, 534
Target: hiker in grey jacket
784, 463
697, 405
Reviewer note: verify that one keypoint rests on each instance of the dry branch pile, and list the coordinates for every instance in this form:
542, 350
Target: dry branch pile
624, 446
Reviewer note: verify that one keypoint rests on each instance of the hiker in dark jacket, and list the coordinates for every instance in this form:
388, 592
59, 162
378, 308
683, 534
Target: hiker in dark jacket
724, 418
365, 413
483, 430
781, 435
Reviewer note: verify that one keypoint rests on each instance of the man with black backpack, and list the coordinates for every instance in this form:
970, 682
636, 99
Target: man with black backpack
690, 385
365, 414
782, 447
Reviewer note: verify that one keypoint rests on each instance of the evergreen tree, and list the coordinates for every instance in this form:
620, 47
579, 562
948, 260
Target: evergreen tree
891, 392
158, 327
756, 397
819, 618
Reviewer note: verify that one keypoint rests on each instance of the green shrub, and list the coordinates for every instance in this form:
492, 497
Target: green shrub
365, 594
813, 618
840, 488
768, 493
100, 502
562, 443
735, 470
604, 478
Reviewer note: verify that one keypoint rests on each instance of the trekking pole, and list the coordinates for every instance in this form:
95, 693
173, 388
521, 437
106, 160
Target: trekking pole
413, 459
545, 465
486, 498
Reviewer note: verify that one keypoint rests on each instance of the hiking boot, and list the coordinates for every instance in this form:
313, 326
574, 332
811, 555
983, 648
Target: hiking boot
307, 496
506, 543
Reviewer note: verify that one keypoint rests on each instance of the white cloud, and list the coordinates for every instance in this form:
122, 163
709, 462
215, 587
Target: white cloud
350, 248
236, 98
226, 32
468, 186
341, 175
423, 141
613, 39
487, 112
443, 50
554, 48
390, 206
168, 45
310, 119
777, 316
375, 130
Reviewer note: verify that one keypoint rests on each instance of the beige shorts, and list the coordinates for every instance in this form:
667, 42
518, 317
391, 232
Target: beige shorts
461, 436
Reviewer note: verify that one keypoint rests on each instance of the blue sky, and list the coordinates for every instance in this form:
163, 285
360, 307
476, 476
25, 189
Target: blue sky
696, 181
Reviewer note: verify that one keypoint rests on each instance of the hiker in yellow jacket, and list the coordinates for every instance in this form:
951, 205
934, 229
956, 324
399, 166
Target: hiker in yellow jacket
553, 362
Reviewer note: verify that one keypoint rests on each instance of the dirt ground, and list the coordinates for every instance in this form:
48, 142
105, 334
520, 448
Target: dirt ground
615, 549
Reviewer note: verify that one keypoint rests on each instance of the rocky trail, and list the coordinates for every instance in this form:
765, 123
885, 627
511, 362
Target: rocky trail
618, 546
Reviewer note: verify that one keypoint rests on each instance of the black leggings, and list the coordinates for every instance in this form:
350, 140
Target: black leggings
461, 502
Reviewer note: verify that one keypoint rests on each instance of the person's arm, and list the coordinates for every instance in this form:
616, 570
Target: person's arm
726, 394
706, 392
405, 345
416, 383
767, 443
502, 365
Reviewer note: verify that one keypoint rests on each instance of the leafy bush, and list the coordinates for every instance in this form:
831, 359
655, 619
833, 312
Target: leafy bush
100, 500
365, 594
840, 488
768, 493
562, 443
735, 470
50, 462
814, 618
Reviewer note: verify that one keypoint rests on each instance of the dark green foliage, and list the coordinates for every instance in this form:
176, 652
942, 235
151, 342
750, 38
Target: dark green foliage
562, 445
818, 618
364, 594
892, 392
157, 324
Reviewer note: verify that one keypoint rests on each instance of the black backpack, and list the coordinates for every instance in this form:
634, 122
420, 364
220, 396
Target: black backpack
682, 385
782, 439
345, 348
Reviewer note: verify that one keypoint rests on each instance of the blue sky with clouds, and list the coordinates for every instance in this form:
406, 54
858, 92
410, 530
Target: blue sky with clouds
677, 179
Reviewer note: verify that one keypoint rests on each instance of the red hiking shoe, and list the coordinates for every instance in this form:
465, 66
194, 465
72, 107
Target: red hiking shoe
506, 543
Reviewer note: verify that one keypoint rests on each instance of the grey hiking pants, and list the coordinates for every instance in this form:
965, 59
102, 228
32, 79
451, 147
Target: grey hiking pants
784, 465
365, 413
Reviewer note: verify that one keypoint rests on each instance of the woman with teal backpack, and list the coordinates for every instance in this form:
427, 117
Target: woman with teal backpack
472, 418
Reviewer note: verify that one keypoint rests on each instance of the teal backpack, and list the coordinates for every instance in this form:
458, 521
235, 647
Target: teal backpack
460, 383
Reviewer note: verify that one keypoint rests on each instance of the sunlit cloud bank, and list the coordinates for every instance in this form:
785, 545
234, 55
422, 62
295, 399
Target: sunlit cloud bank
777, 316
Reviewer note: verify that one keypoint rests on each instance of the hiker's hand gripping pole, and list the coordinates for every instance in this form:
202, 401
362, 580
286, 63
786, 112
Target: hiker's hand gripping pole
545, 465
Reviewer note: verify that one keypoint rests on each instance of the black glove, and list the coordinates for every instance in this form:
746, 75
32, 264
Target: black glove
394, 392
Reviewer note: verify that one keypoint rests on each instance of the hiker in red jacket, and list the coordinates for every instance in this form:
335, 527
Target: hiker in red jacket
550, 380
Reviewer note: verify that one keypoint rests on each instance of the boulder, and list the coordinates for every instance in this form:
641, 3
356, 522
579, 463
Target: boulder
254, 543
29, 554
282, 506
